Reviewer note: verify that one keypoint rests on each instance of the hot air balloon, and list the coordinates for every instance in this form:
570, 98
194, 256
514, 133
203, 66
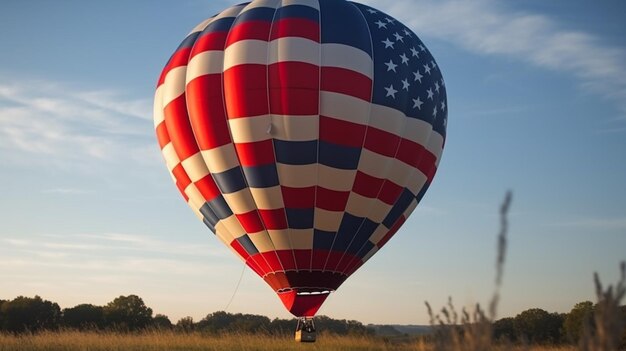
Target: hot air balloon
303, 133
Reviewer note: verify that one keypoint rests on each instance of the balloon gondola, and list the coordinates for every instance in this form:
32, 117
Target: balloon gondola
303, 133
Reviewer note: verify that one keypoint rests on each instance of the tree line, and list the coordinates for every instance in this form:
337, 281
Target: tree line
130, 314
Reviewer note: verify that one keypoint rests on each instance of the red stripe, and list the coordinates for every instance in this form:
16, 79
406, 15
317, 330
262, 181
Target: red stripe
381, 142
320, 256
245, 91
344, 81
258, 259
296, 27
341, 132
210, 41
274, 219
287, 260
181, 189
207, 187
255, 154
179, 58
298, 197
162, 135
390, 192
272, 261
410, 152
250, 221
294, 88
252, 264
303, 259
180, 175
259, 30
366, 185
206, 111
428, 167
331, 200
240, 249
179, 128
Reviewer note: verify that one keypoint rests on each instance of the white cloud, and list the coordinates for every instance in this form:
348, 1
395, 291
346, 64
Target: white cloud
488, 27
49, 123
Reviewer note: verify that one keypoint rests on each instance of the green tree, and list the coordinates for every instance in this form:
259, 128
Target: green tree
185, 325
127, 313
580, 316
29, 314
161, 321
84, 316
504, 329
538, 326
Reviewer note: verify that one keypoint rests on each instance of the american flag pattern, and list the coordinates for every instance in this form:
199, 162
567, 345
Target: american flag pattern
303, 133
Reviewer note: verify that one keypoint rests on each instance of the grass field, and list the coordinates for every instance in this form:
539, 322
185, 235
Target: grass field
170, 341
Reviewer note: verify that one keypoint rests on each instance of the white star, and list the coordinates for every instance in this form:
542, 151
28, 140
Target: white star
432, 63
405, 84
389, 20
418, 76
398, 37
371, 11
415, 53
445, 122
388, 43
430, 93
407, 33
422, 48
391, 66
381, 24
404, 59
443, 84
443, 106
391, 91
417, 103
427, 69
437, 87
435, 111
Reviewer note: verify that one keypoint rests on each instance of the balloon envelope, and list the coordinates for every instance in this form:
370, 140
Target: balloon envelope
303, 133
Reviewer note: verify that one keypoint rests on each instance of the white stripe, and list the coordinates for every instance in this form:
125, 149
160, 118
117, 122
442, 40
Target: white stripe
280, 238
221, 158
370, 254
297, 176
400, 173
195, 167
232, 225
327, 220
294, 49
417, 130
240, 202
301, 239
230, 12
366, 207
295, 128
311, 3
416, 182
344, 107
435, 145
195, 208
194, 195
348, 57
387, 119
250, 129
410, 209
157, 110
373, 164
335, 178
379, 234
262, 241
174, 85
170, 156
207, 62
249, 51
268, 198
261, 3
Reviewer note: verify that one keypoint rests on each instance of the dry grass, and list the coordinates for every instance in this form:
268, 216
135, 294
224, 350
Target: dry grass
170, 341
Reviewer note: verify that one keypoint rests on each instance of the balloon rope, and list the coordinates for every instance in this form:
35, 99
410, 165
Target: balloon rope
236, 287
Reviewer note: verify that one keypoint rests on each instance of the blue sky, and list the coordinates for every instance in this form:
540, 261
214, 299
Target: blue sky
537, 104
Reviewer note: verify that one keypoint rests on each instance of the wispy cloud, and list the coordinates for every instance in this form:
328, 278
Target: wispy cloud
488, 27
54, 123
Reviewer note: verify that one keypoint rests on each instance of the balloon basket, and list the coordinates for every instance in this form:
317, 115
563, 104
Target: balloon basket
305, 330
